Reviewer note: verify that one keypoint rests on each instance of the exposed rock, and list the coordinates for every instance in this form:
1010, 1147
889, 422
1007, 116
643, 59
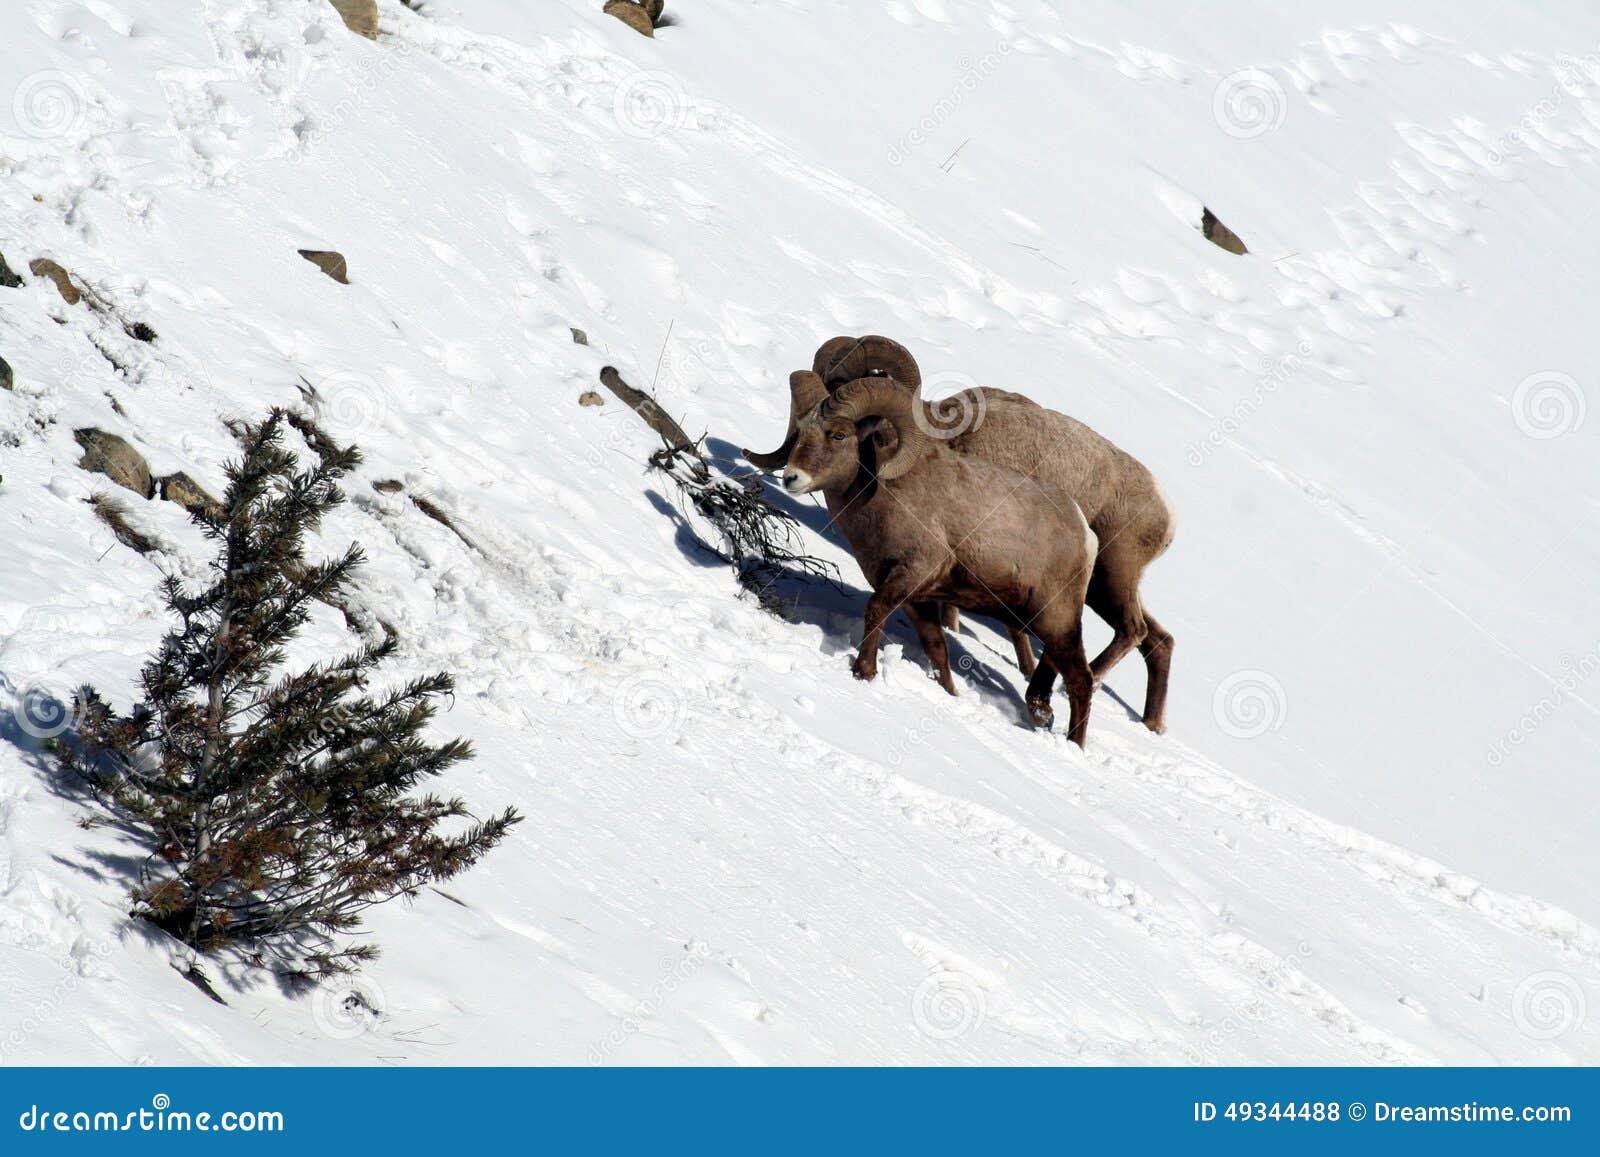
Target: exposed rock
1219, 234
110, 455
590, 398
139, 331
388, 486
189, 494
579, 337
44, 267
631, 14
8, 277
7, 378
331, 263
359, 16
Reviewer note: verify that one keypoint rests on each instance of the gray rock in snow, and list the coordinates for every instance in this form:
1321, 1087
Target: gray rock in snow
108, 454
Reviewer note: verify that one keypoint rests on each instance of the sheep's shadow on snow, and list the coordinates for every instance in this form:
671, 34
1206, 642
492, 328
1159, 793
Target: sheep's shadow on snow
836, 608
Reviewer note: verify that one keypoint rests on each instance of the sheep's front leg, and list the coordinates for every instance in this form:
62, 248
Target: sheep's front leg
891, 594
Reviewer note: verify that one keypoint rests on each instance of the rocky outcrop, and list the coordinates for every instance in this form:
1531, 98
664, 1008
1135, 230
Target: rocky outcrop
1219, 234
359, 16
108, 454
44, 267
633, 15
7, 379
330, 262
189, 494
8, 276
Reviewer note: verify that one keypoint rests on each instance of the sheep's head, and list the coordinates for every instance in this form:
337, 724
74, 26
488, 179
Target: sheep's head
839, 360
865, 430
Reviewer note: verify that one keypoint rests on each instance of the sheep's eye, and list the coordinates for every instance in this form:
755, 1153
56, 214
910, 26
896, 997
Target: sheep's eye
836, 435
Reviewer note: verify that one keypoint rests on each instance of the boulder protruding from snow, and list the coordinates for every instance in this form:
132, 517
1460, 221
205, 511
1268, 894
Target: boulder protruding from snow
188, 493
44, 267
590, 398
331, 263
633, 15
8, 276
108, 454
7, 378
1219, 234
359, 16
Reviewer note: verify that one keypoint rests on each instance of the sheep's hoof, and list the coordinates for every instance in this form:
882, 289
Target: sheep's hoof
1041, 715
864, 669
1159, 726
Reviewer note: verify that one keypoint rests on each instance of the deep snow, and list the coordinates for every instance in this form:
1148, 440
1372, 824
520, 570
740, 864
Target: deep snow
1384, 712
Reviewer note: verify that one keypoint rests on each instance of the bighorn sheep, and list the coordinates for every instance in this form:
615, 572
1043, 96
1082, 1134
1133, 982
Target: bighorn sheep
931, 526
1119, 497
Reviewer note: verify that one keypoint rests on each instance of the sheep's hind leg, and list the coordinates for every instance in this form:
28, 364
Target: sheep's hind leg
925, 618
1063, 651
1157, 651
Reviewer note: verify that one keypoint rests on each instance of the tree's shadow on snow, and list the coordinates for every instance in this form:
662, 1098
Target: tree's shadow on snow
836, 607
35, 717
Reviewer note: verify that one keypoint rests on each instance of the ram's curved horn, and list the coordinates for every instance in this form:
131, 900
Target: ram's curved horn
805, 391
844, 359
881, 398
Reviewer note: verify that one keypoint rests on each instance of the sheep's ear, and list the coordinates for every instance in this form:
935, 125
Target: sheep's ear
885, 439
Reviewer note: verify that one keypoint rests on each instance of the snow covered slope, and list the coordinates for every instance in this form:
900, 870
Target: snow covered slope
1384, 712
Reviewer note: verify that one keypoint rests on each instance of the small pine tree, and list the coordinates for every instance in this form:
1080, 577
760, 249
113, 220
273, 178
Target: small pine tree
276, 807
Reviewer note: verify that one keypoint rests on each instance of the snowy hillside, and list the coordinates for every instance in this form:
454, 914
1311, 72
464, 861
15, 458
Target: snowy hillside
1369, 834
